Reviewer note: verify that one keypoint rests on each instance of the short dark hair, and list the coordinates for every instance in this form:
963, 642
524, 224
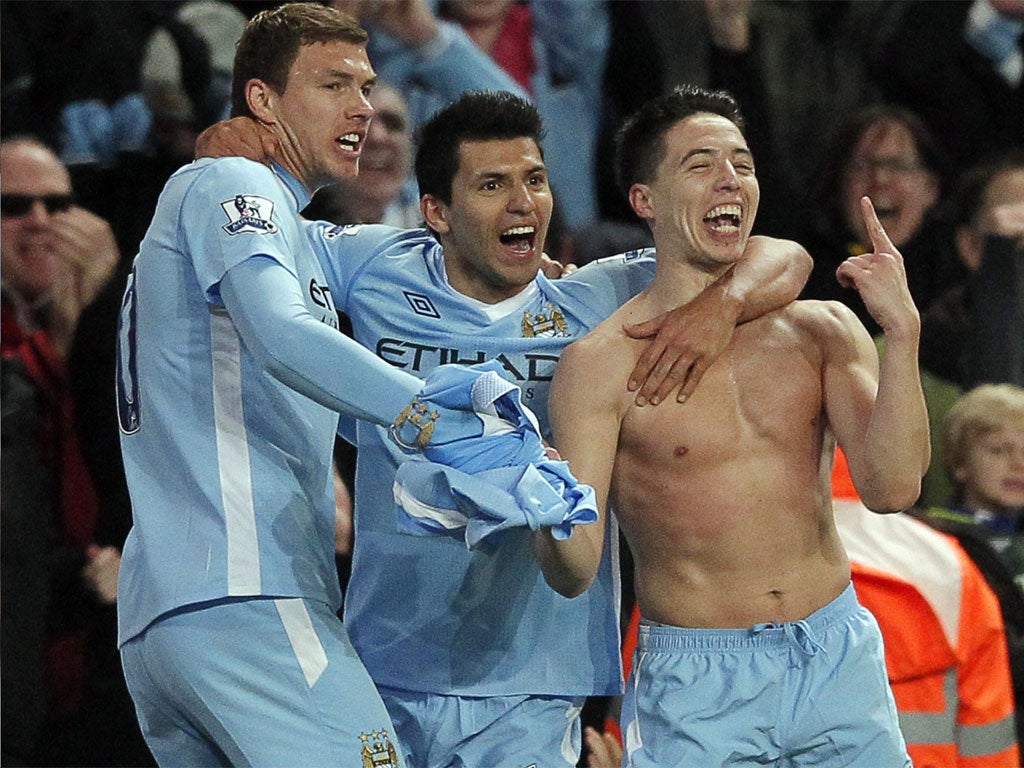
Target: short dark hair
474, 116
270, 44
639, 143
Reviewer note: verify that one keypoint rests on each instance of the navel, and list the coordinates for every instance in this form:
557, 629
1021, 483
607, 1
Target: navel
680, 451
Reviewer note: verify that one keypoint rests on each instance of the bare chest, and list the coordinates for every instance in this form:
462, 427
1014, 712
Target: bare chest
764, 391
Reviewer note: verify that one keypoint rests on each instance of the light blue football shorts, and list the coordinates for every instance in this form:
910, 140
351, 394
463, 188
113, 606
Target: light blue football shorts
806, 693
495, 731
256, 682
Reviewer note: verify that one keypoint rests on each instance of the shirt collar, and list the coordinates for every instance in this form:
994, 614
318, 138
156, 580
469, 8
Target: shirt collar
299, 192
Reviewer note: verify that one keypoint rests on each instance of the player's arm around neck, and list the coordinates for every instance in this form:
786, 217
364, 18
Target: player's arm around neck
691, 337
771, 274
584, 413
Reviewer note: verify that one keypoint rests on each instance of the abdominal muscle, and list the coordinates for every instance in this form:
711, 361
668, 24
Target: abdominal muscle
724, 500
716, 550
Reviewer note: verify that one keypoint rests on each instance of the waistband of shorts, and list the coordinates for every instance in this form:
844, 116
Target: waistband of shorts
663, 637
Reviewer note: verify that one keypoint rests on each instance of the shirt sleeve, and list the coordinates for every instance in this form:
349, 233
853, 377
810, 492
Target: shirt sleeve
447, 65
610, 282
265, 302
236, 209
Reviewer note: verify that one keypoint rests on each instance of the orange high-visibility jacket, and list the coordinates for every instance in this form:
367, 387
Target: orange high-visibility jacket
945, 643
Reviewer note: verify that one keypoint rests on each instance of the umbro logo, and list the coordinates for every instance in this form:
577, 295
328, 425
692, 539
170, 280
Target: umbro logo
421, 305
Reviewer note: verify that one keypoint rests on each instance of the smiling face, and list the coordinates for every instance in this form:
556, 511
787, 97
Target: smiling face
704, 195
493, 230
887, 167
992, 474
323, 112
28, 259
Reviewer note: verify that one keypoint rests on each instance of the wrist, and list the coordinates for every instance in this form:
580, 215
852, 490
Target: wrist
731, 302
904, 330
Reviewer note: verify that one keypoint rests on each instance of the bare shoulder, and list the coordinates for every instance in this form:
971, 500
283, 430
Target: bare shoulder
829, 321
600, 349
836, 330
601, 360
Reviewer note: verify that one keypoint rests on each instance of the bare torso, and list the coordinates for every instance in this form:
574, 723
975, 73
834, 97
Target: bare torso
725, 499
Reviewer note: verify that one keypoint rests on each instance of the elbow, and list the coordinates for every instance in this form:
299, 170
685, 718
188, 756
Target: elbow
895, 496
802, 263
569, 586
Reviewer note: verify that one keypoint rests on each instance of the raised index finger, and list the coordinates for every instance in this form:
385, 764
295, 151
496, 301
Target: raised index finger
880, 241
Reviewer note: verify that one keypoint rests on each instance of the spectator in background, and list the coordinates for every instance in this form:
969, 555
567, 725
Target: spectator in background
886, 153
64, 701
984, 438
974, 332
382, 193
984, 457
550, 52
945, 638
959, 65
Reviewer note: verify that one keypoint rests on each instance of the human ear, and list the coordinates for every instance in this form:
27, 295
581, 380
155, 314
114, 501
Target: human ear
640, 201
262, 100
969, 247
435, 214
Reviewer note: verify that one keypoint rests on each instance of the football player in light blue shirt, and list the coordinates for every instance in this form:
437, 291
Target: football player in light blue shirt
479, 661
231, 373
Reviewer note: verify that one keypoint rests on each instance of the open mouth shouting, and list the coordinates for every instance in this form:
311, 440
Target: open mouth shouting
724, 219
519, 240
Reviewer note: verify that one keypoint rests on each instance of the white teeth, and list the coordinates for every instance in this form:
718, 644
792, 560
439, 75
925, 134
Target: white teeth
519, 231
350, 138
723, 210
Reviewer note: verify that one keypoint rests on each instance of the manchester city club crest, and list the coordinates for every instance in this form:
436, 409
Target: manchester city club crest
378, 751
548, 322
249, 213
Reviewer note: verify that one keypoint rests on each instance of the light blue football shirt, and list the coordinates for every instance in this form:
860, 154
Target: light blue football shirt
426, 614
228, 468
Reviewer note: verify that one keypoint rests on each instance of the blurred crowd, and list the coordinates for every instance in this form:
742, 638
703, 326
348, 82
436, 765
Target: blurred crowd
917, 104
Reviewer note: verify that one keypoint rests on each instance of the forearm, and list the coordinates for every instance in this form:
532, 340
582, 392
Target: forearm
313, 358
570, 566
452, 63
771, 275
896, 447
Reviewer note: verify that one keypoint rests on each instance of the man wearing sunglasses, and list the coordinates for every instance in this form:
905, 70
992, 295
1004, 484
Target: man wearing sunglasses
55, 257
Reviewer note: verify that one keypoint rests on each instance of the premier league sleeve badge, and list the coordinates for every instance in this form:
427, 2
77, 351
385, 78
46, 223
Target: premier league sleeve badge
249, 213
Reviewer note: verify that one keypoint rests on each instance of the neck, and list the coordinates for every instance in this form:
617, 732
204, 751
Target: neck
286, 154
680, 278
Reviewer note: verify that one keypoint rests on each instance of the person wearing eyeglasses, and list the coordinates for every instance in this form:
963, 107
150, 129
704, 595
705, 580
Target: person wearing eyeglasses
58, 584
888, 154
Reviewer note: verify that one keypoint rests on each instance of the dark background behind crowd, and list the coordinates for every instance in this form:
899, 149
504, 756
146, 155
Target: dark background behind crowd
919, 104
